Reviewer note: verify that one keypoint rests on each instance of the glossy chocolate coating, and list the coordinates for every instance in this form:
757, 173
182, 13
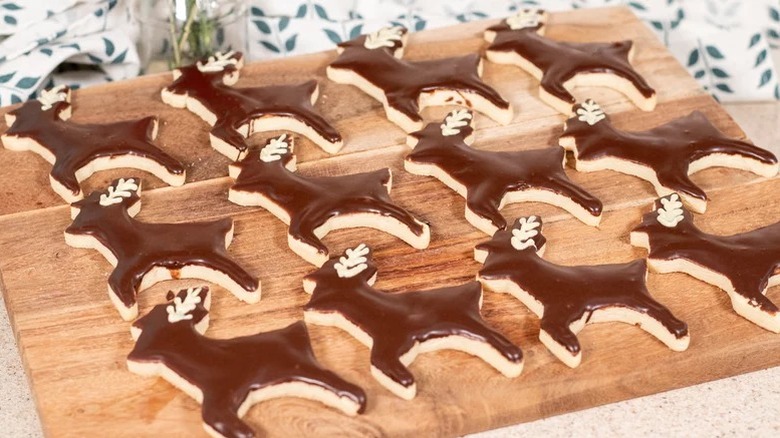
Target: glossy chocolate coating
397, 321
140, 246
747, 259
569, 293
226, 371
402, 82
667, 149
234, 107
75, 145
560, 61
311, 201
488, 175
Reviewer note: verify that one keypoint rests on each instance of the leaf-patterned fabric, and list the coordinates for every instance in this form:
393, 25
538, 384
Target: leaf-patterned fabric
725, 44
41, 35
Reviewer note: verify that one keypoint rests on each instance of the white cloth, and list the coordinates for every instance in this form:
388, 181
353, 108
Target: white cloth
41, 35
723, 43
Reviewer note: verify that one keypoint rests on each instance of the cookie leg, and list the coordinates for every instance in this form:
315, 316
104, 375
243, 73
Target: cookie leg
404, 111
757, 309
331, 390
387, 368
220, 417
232, 277
575, 200
122, 291
226, 140
64, 182
304, 242
680, 183
664, 326
503, 355
483, 213
561, 341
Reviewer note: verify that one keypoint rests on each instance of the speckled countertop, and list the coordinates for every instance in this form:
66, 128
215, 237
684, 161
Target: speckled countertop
747, 405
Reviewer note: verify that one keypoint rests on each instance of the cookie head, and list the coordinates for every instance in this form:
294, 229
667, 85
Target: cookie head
220, 67
187, 307
524, 20
123, 194
586, 116
53, 103
354, 266
388, 39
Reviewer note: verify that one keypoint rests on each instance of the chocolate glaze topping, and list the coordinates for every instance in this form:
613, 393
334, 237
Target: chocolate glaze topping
488, 176
667, 149
569, 293
226, 371
234, 107
139, 246
747, 259
560, 61
396, 322
311, 201
74, 145
402, 82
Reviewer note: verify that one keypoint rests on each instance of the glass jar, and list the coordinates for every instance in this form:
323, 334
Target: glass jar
173, 33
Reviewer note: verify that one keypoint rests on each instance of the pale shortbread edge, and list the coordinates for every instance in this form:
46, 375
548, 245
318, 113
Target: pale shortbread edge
610, 314
742, 306
479, 349
511, 197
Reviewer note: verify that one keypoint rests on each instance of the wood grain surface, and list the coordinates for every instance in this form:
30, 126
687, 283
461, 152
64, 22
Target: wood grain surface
74, 344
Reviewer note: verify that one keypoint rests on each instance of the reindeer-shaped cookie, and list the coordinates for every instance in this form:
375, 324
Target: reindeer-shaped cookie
664, 155
744, 265
397, 327
228, 376
146, 253
489, 180
561, 66
77, 151
373, 63
313, 206
566, 298
205, 88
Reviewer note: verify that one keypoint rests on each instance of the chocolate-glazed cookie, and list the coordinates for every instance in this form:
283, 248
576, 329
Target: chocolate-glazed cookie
566, 298
76, 151
228, 376
146, 253
664, 155
744, 265
313, 206
373, 63
560, 66
489, 180
396, 327
205, 88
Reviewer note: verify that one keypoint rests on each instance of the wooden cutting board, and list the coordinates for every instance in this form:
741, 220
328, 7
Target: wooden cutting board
74, 344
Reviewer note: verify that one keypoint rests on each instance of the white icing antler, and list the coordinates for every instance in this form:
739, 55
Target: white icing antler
124, 188
671, 213
590, 112
354, 263
522, 238
275, 148
180, 309
217, 62
49, 97
384, 37
454, 121
524, 18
